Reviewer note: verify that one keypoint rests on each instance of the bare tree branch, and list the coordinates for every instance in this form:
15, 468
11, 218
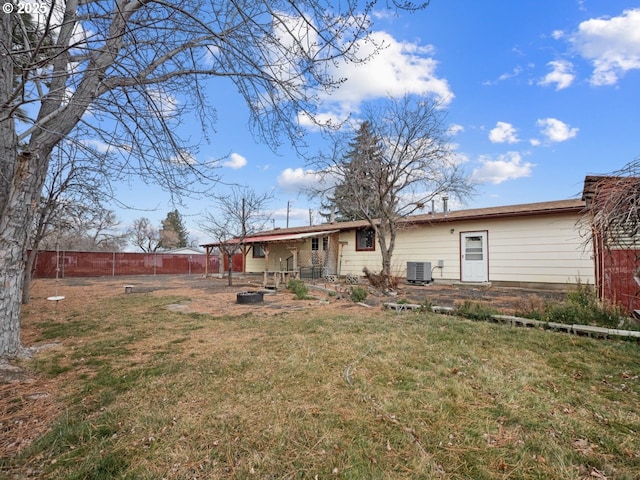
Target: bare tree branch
398, 161
235, 217
131, 69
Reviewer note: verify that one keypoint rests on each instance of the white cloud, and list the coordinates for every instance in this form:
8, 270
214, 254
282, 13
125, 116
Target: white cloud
557, 34
183, 158
97, 145
235, 161
507, 167
298, 216
103, 147
211, 55
506, 76
160, 103
556, 130
397, 69
454, 129
503, 133
383, 14
327, 118
561, 74
611, 44
297, 179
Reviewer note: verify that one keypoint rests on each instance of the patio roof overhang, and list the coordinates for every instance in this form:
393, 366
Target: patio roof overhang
275, 238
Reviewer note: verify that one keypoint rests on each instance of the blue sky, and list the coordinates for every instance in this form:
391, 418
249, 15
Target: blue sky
539, 94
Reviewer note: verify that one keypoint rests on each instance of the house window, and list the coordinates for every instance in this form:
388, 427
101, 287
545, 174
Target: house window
365, 240
473, 248
315, 244
258, 250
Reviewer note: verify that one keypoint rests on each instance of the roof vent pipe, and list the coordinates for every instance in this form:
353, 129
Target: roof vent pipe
445, 206
433, 206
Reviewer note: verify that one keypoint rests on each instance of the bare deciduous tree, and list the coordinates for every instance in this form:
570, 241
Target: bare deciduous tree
71, 206
144, 235
614, 205
131, 69
235, 217
91, 229
398, 161
613, 210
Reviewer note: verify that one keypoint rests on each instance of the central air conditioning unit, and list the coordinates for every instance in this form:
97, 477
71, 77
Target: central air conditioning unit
419, 272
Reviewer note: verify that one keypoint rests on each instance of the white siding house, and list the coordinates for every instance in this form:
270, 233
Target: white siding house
531, 244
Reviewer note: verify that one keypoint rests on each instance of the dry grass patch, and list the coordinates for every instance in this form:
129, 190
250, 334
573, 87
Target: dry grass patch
150, 393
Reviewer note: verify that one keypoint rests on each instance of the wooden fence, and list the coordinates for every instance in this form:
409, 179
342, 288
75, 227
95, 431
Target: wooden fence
616, 271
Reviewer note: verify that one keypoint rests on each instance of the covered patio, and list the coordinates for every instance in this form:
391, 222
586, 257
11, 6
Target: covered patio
290, 255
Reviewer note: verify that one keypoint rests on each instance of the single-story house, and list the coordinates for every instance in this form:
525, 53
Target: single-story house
537, 244
184, 251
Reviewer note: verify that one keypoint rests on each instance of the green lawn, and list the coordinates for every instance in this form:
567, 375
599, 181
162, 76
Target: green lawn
147, 393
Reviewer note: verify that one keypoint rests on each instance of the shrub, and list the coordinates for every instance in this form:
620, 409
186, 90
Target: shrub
426, 305
581, 306
298, 288
475, 310
358, 294
531, 307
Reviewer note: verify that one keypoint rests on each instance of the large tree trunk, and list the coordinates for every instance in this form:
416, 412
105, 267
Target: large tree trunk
230, 268
28, 275
15, 220
386, 233
13, 226
23, 169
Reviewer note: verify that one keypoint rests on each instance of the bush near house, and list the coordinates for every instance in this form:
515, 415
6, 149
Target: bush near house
475, 310
582, 307
298, 288
358, 294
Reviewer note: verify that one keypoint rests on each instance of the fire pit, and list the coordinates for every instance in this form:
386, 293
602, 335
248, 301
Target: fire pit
247, 298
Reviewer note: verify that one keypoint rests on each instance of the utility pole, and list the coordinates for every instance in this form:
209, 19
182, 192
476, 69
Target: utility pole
288, 208
244, 234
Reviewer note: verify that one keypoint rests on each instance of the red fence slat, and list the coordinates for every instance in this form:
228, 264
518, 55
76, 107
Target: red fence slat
616, 277
101, 264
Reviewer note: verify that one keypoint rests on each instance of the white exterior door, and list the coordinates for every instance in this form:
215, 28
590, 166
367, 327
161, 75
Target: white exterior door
474, 261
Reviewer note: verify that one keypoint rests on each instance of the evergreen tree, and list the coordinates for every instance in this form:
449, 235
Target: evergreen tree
173, 233
398, 160
357, 197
